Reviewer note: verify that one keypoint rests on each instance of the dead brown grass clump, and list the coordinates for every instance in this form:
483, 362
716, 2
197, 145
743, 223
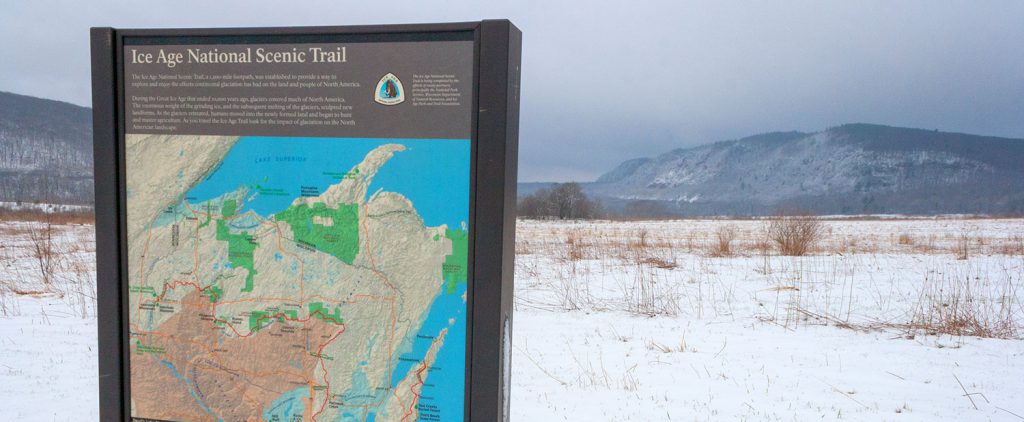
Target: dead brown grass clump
574, 248
722, 246
795, 233
639, 241
905, 239
953, 304
927, 245
659, 263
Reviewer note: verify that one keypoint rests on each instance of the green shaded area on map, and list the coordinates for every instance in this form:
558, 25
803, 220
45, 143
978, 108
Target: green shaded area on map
228, 208
341, 176
329, 230
215, 293
257, 319
142, 289
454, 268
209, 217
263, 190
240, 246
140, 349
317, 309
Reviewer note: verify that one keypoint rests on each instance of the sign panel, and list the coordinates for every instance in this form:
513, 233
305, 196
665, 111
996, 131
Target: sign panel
297, 223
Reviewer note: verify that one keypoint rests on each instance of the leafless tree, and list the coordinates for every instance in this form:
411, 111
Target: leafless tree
564, 201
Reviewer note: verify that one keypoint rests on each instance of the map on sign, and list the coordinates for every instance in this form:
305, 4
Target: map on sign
297, 279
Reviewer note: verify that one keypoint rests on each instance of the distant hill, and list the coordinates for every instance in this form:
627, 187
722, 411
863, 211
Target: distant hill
46, 156
45, 151
849, 169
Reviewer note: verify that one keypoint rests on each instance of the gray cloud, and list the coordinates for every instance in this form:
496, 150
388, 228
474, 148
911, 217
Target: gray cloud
606, 81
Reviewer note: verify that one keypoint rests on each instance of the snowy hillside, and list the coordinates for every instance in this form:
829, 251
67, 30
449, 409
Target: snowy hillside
45, 151
855, 168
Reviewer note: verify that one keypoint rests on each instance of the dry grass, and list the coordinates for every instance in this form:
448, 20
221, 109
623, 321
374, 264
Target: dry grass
649, 292
722, 243
930, 236
668, 268
962, 247
574, 247
47, 259
1014, 246
655, 346
581, 251
950, 303
44, 251
57, 218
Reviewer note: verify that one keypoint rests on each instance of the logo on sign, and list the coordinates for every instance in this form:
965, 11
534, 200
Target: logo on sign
389, 90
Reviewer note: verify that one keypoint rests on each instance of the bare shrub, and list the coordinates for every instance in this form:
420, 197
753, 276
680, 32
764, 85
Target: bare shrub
794, 233
905, 239
47, 259
722, 246
43, 251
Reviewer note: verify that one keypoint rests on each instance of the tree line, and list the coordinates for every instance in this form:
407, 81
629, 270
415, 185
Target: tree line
562, 201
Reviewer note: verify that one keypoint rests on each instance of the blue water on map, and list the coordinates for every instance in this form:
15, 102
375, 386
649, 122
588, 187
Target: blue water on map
445, 384
432, 173
287, 406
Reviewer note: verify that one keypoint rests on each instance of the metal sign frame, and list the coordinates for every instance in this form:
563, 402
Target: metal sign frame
493, 156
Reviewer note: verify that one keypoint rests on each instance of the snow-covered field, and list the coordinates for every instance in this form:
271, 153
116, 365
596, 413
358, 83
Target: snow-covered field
908, 319
638, 321
47, 323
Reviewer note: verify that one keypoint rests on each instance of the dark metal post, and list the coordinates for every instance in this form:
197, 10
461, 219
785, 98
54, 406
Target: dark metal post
113, 381
493, 266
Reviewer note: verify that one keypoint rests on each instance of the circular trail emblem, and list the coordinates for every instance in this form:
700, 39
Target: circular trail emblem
389, 90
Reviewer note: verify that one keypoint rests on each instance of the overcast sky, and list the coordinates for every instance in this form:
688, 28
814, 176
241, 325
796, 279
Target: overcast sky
606, 81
